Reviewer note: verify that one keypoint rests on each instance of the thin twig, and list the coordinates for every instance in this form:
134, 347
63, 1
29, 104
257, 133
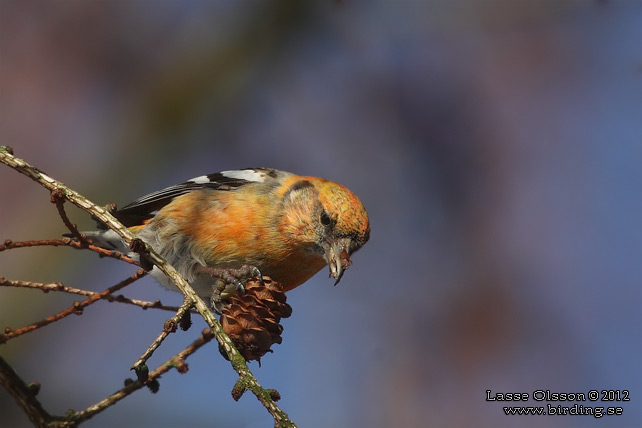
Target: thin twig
67, 242
57, 286
76, 308
58, 198
27, 400
24, 396
170, 327
177, 361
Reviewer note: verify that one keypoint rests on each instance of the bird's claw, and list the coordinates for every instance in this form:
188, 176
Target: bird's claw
256, 273
216, 300
229, 281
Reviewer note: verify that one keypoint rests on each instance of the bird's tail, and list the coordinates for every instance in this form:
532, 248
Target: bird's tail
107, 239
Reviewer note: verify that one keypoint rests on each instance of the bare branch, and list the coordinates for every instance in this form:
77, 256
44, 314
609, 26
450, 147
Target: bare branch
23, 395
57, 286
76, 308
169, 327
27, 400
177, 362
67, 242
58, 198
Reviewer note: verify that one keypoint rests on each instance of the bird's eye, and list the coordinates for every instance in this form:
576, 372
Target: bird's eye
325, 220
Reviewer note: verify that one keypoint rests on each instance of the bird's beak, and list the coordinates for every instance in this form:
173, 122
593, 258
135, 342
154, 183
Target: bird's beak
338, 259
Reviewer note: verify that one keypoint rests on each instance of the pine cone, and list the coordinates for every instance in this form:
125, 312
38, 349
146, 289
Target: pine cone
252, 319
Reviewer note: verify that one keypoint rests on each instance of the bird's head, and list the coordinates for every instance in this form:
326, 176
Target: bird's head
329, 218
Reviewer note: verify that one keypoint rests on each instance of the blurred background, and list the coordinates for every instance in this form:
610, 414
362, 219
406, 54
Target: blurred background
497, 146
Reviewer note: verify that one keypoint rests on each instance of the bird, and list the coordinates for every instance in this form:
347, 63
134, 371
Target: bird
222, 228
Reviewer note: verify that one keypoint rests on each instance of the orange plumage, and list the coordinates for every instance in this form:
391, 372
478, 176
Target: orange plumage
287, 226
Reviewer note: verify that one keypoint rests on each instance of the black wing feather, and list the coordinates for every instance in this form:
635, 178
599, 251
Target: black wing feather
144, 207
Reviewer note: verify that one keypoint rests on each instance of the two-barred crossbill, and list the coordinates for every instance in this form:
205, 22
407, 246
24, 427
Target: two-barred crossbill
243, 223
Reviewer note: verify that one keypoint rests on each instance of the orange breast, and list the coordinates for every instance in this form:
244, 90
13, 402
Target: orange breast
236, 229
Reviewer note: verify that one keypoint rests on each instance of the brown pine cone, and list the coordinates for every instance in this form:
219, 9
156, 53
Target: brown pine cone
252, 319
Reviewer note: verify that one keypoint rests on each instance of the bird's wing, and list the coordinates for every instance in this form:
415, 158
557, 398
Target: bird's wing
144, 208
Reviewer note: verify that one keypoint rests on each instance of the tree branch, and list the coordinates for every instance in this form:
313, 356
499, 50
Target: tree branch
23, 395
27, 400
67, 242
177, 362
169, 327
57, 286
246, 378
76, 308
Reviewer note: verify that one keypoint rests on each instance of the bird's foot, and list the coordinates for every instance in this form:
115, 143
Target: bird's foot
229, 282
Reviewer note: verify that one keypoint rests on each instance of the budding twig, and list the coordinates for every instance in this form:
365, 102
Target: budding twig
76, 308
58, 198
25, 398
177, 362
67, 242
170, 327
57, 286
